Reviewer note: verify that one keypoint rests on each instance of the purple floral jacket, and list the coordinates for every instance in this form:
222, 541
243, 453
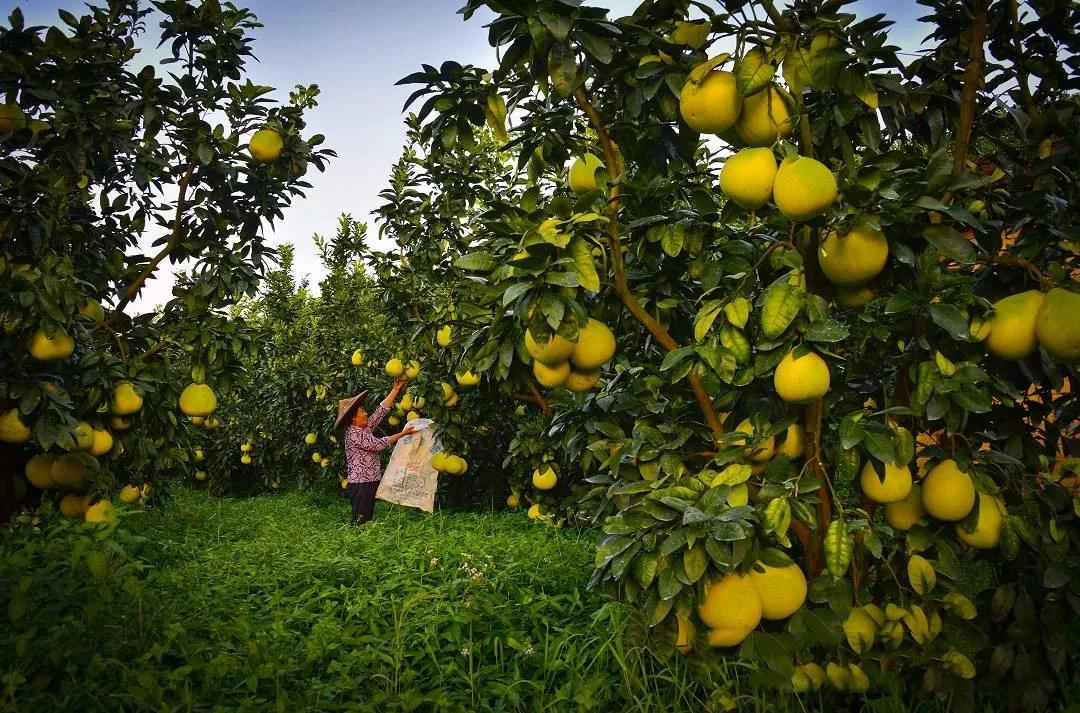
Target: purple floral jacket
362, 449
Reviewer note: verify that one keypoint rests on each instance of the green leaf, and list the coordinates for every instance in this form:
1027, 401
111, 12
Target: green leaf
581, 253
562, 69
671, 239
695, 562
950, 242
783, 302
479, 261
951, 320
827, 330
706, 316
753, 72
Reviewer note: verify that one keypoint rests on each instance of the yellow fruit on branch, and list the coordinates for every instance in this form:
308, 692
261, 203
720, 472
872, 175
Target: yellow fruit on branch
129, 494
895, 487
903, 514
198, 400
438, 461
245, 459
45, 348
468, 379
761, 451
310, 439
316, 457
357, 358
595, 346
782, 589
245, 448
102, 442
535, 512
199, 455
101, 513
710, 102
12, 428
1013, 325
1057, 325
855, 258
852, 297
394, 368
125, 399
68, 469
581, 381
444, 336
551, 376
583, 173
212, 423
947, 492
804, 188
82, 437
765, 117
555, 351
731, 609
118, 423
92, 310
73, 506
200, 475
986, 532
793, 443
545, 479
266, 145
39, 471
803, 379
747, 177
513, 500
412, 370
412, 416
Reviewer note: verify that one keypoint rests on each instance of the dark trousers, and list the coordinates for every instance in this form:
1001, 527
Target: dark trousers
362, 497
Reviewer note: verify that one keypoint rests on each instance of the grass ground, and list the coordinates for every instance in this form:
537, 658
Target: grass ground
273, 603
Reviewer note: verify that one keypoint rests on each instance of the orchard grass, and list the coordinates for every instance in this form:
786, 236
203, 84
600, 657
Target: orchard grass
274, 603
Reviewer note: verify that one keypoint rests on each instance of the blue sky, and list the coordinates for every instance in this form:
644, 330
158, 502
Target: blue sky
355, 50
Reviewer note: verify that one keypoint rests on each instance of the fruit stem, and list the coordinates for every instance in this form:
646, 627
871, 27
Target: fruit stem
621, 284
174, 240
540, 401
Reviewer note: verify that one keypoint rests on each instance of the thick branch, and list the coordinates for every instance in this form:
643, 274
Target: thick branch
973, 81
154, 349
812, 454
135, 287
621, 284
1034, 271
1021, 74
540, 400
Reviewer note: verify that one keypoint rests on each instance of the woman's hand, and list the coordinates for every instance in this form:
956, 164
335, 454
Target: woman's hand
399, 384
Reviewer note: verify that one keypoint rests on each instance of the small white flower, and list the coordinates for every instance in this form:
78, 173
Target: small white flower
528, 651
465, 653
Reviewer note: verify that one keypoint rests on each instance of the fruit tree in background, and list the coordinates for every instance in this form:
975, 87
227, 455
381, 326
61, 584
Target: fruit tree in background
796, 319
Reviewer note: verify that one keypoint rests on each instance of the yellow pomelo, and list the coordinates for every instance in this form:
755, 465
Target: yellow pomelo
581, 381
101, 512
246, 459
555, 351
794, 442
245, 447
1057, 325
39, 471
92, 310
583, 173
266, 145
544, 480
395, 368
852, 297
763, 450
412, 416
801, 380
903, 514
513, 500
947, 492
357, 358
687, 632
747, 177
412, 370
854, 258
45, 348
12, 118
102, 443
712, 105
82, 438
535, 513
125, 399
438, 461
444, 336
198, 400
987, 532
595, 346
12, 428
199, 455
782, 590
1012, 327
894, 488
68, 469
551, 376
200, 475
212, 423
860, 629
310, 439
316, 457
731, 609
804, 188
72, 506
765, 117
456, 465
468, 379
117, 423
129, 494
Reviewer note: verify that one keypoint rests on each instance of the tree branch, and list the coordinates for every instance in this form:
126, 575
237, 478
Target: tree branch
154, 349
1034, 271
135, 287
973, 81
1021, 74
540, 401
621, 285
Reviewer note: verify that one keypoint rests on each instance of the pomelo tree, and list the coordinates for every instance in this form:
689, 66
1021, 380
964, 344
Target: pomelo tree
828, 287
113, 167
